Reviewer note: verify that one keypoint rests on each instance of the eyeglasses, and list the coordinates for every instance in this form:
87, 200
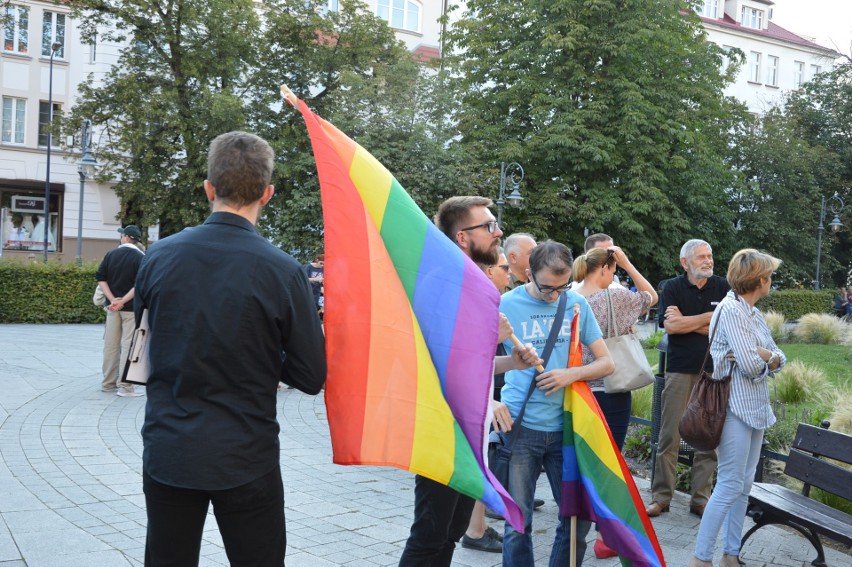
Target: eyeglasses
549, 289
490, 225
504, 266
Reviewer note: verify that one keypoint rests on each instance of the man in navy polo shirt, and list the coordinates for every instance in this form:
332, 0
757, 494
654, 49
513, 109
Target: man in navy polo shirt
689, 301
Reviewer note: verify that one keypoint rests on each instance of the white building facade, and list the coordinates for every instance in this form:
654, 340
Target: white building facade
33, 29
777, 61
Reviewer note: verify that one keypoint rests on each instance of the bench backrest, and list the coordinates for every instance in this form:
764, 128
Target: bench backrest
804, 463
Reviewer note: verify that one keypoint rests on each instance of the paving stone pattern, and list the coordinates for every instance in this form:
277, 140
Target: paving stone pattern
71, 484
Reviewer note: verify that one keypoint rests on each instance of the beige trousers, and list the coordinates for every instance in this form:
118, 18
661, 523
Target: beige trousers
118, 333
674, 399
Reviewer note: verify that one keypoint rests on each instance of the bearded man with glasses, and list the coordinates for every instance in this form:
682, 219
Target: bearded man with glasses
531, 310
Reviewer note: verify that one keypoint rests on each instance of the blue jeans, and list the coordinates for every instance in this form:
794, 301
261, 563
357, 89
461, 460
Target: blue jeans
739, 453
530, 451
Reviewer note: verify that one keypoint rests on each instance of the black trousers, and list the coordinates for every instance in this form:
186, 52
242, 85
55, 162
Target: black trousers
250, 518
441, 516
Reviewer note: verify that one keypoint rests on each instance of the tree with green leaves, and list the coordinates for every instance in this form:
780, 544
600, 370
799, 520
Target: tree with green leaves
615, 108
777, 206
822, 113
178, 82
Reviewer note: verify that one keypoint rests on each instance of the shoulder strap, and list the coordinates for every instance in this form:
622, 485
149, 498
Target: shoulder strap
548, 348
710, 342
610, 332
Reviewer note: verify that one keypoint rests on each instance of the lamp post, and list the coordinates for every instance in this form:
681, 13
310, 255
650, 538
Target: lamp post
54, 47
834, 225
85, 168
516, 174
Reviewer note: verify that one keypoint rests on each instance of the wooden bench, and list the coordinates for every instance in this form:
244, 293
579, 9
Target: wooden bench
774, 504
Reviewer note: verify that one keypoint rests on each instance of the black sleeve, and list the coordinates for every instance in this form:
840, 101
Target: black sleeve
304, 365
666, 299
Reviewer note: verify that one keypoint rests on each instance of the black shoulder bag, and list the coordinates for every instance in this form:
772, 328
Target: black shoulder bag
503, 452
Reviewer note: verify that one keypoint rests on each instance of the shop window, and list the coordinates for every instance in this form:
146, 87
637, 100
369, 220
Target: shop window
24, 224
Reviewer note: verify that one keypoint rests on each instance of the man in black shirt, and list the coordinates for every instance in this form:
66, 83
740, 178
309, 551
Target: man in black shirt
689, 301
230, 315
115, 277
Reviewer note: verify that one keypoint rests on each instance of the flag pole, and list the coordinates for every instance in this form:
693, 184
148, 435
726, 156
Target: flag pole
573, 560
518, 343
289, 96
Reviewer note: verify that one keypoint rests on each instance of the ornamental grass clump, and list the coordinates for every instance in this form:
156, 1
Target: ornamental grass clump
820, 328
841, 415
775, 321
799, 382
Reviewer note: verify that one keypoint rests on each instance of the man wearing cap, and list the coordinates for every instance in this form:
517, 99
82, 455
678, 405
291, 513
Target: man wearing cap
116, 277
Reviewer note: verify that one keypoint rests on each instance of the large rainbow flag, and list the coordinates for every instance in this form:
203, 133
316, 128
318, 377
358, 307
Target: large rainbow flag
411, 329
596, 484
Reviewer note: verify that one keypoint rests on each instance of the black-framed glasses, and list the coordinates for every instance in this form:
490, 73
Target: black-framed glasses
505, 267
548, 289
491, 226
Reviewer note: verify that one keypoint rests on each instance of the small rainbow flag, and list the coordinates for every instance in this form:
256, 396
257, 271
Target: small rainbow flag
411, 329
596, 484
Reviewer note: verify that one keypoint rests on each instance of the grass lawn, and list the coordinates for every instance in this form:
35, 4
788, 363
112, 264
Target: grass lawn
834, 360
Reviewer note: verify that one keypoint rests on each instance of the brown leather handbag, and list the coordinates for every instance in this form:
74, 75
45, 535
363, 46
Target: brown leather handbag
704, 418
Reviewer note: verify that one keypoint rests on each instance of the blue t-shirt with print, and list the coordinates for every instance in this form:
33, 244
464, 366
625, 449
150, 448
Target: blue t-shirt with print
532, 319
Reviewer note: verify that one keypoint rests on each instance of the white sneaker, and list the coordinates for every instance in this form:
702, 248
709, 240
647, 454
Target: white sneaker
131, 393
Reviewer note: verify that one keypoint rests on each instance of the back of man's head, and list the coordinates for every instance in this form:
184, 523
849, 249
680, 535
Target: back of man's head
593, 240
239, 166
454, 212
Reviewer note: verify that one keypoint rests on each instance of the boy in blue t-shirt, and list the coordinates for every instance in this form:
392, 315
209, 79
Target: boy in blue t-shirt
531, 310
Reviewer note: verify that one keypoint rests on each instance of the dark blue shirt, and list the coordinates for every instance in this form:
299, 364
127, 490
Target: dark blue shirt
230, 315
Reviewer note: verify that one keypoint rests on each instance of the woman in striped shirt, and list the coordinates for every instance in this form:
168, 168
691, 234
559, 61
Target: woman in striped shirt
742, 344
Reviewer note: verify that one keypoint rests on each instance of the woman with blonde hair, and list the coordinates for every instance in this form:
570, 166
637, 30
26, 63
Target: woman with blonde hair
741, 345
594, 271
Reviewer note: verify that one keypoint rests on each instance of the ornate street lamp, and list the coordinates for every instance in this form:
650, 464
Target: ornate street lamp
515, 173
54, 47
86, 168
835, 225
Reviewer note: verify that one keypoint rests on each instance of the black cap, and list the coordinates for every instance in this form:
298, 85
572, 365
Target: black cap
132, 231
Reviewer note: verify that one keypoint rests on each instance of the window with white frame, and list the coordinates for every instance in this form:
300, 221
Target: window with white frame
772, 71
798, 74
708, 8
53, 31
754, 67
752, 18
44, 120
16, 30
815, 70
400, 14
14, 120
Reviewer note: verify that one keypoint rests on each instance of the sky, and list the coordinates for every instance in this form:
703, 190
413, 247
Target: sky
829, 21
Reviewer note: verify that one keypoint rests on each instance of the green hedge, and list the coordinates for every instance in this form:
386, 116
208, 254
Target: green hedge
794, 303
35, 292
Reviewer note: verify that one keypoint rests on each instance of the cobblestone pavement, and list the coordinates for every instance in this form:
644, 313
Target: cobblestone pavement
71, 485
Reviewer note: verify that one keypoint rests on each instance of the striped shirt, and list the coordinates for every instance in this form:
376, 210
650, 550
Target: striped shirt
741, 329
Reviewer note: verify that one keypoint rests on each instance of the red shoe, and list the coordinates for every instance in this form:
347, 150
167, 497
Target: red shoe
602, 550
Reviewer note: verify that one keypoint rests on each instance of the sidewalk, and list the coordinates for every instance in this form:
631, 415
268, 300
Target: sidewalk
71, 485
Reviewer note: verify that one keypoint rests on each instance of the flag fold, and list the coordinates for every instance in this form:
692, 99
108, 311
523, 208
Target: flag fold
411, 329
596, 483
